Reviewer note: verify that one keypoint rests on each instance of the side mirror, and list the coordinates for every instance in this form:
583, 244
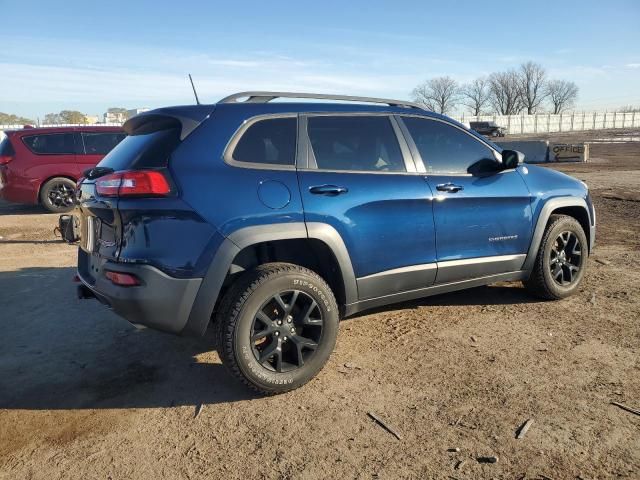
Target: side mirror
485, 167
511, 159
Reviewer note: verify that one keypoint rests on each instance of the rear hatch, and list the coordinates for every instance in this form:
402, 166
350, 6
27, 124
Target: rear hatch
136, 170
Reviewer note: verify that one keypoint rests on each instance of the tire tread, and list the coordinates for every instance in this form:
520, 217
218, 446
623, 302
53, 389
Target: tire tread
536, 284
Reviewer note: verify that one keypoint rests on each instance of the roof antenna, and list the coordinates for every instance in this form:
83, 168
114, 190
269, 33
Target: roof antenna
194, 89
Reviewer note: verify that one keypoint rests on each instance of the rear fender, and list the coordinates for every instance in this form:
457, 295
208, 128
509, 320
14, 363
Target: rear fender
207, 296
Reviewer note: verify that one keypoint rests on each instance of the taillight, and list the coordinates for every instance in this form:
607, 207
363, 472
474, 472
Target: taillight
122, 279
133, 183
4, 159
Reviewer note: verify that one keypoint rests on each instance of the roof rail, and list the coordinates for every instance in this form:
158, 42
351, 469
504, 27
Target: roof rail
264, 97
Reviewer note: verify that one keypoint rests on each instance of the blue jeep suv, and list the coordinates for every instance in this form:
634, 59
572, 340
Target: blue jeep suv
273, 220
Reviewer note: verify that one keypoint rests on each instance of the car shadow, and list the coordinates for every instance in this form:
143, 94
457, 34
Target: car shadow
502, 293
32, 242
8, 208
58, 352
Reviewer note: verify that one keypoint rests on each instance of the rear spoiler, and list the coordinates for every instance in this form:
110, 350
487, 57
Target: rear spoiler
187, 118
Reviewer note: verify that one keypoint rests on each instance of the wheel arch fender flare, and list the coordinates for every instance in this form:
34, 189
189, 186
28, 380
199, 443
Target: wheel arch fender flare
43, 182
551, 206
330, 236
245, 237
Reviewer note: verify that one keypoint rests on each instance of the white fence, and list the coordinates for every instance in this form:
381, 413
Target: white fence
563, 122
516, 124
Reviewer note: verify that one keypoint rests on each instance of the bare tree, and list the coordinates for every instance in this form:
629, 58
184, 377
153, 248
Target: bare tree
505, 95
438, 94
532, 79
562, 94
475, 95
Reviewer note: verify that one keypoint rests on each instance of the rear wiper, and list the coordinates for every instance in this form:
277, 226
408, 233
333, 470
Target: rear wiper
96, 172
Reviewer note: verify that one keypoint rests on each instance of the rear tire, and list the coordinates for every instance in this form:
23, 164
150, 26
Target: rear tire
561, 261
276, 327
57, 195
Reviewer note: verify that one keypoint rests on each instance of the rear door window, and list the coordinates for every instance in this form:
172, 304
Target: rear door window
100, 143
270, 141
445, 148
357, 143
51, 143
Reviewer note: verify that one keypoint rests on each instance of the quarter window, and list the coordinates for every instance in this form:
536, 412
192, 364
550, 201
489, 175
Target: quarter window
100, 143
359, 143
271, 141
444, 148
51, 143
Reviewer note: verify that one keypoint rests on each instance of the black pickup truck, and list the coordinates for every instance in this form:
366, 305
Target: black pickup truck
490, 129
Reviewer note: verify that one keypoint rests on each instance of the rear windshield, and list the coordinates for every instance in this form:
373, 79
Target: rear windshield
5, 145
151, 150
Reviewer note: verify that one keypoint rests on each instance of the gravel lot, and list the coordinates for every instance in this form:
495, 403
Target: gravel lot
85, 395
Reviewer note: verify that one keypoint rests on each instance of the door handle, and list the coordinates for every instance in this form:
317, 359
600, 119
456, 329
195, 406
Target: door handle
329, 190
449, 187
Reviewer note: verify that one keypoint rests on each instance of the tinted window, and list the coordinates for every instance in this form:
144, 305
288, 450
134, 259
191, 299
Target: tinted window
51, 143
5, 146
100, 143
151, 150
271, 141
444, 148
355, 143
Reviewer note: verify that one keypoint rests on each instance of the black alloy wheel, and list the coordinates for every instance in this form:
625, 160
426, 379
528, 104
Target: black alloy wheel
561, 260
286, 331
565, 258
61, 195
57, 195
276, 327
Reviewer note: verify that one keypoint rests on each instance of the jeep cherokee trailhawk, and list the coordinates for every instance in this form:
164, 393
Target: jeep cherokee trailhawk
273, 220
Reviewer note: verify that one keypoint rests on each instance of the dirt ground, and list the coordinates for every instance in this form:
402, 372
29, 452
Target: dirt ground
85, 395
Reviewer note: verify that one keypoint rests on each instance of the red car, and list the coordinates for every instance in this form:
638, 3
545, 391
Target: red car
42, 165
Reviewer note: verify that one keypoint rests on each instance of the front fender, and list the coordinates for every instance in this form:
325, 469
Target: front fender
550, 206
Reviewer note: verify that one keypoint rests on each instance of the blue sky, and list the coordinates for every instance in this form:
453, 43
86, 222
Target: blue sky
91, 55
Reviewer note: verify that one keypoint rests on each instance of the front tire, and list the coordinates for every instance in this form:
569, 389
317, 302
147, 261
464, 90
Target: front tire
276, 327
56, 195
562, 259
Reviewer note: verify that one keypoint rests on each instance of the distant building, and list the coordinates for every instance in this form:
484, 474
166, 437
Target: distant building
122, 116
91, 119
115, 117
136, 111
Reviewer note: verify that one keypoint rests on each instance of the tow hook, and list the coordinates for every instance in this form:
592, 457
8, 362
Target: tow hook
84, 292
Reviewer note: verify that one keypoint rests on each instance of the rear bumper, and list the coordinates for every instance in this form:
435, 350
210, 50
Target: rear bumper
160, 302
